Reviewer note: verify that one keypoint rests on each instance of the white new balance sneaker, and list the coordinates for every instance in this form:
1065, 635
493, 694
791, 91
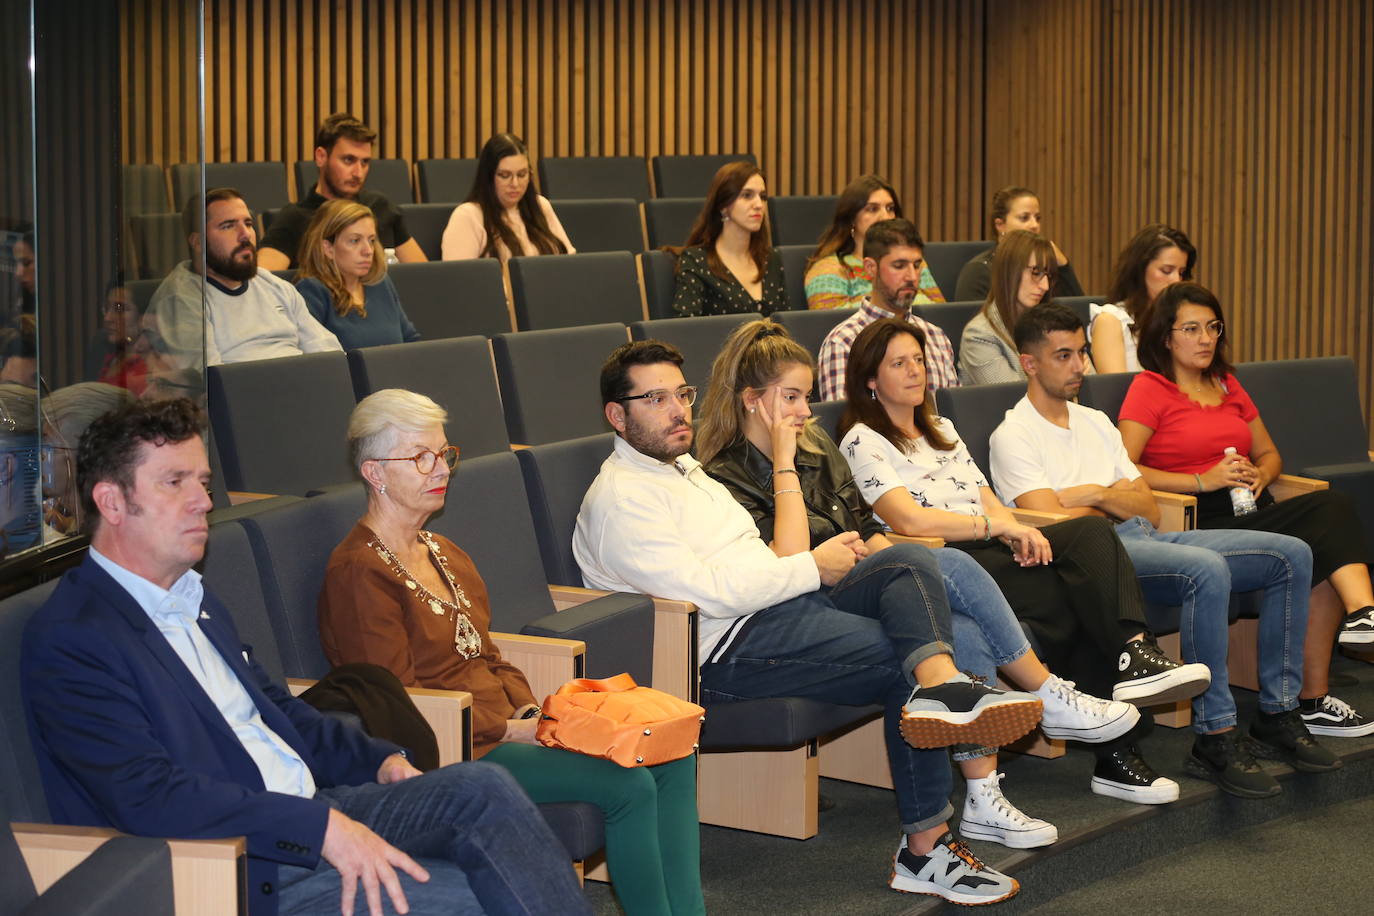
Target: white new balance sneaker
952, 871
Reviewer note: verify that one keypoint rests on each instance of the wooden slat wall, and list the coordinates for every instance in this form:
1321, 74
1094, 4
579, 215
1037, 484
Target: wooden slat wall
1245, 123
794, 84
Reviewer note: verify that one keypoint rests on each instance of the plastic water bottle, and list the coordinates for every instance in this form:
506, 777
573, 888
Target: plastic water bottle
390, 256
1242, 500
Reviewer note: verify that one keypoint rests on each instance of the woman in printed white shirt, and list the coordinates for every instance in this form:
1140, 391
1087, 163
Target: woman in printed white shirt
1158, 257
1071, 583
504, 215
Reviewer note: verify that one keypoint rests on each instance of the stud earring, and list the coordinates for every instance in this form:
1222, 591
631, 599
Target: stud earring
752, 409
382, 489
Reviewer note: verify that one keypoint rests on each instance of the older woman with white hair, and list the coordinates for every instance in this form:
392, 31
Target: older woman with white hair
411, 601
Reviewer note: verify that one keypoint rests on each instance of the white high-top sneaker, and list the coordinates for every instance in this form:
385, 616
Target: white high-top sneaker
1074, 715
989, 816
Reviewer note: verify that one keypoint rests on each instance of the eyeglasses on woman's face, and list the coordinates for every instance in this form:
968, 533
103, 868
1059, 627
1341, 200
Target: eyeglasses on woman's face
425, 460
1194, 329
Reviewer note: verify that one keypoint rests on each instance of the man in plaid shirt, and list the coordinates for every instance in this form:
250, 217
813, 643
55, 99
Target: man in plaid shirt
893, 255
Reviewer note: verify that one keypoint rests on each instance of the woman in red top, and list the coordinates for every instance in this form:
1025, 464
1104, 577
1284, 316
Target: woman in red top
1179, 418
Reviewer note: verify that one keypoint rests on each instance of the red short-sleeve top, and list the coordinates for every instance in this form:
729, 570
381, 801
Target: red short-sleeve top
1188, 437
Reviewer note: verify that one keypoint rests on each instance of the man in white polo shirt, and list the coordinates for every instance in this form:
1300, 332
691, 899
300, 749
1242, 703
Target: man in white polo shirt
1055, 455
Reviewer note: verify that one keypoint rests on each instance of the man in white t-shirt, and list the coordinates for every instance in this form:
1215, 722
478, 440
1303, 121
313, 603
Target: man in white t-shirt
1054, 455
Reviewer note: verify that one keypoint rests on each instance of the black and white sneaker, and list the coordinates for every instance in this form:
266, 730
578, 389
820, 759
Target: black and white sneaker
1073, 715
1333, 717
1148, 677
1285, 737
1358, 628
951, 871
1124, 774
965, 710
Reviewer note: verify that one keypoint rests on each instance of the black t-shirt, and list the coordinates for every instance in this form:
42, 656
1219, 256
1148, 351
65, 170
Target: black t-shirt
288, 228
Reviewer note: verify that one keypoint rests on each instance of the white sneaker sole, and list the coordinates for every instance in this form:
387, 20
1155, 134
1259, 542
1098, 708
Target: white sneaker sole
1161, 793
1182, 683
1013, 839
1096, 734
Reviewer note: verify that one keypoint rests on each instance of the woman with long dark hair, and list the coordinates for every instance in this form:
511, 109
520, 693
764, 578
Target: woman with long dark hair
835, 274
504, 214
1013, 208
1179, 418
1155, 259
728, 264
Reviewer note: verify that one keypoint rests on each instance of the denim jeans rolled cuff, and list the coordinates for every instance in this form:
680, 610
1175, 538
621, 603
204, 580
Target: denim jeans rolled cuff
928, 651
965, 752
934, 821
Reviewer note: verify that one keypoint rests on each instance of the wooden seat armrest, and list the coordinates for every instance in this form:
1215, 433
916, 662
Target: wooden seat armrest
1286, 486
238, 497
546, 663
1037, 519
448, 712
674, 635
1177, 511
205, 873
932, 543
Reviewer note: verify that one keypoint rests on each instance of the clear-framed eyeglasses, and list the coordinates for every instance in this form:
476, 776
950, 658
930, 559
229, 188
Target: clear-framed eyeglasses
425, 459
659, 398
1192, 330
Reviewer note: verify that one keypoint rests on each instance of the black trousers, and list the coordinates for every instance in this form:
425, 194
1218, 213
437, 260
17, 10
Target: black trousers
1082, 608
1325, 520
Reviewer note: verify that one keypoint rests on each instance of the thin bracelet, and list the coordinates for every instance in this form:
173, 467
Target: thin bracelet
777, 471
1198, 478
974, 520
987, 528
780, 492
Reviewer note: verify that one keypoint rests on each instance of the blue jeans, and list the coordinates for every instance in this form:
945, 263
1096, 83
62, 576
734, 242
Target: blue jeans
485, 845
1198, 570
854, 644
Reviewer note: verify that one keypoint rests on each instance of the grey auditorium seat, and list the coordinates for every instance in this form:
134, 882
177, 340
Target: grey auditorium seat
262, 184
571, 290
549, 381
594, 177
453, 298
800, 219
445, 181
690, 176
946, 259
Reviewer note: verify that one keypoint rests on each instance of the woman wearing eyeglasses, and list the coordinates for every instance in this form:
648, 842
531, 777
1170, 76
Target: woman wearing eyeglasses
1023, 270
411, 601
1180, 417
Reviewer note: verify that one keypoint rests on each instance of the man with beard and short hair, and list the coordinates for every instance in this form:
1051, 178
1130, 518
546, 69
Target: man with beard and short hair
893, 256
252, 314
343, 153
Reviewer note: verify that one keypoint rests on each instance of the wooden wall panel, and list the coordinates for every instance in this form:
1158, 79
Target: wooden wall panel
797, 85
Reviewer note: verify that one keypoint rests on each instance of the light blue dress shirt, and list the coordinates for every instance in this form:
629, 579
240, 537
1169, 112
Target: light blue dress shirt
174, 613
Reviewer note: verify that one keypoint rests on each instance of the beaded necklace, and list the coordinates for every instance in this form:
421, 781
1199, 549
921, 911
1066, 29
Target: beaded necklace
467, 642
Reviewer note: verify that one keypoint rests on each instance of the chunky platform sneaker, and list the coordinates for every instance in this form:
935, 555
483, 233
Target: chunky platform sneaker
989, 816
1124, 774
1227, 762
1148, 677
1358, 628
1073, 715
965, 710
1283, 736
951, 871
1333, 717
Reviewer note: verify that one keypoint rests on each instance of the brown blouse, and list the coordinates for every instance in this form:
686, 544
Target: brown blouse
367, 614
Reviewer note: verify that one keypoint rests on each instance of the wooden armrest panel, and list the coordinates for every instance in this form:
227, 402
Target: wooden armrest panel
932, 543
1286, 486
546, 663
237, 497
1177, 511
1037, 519
205, 873
674, 638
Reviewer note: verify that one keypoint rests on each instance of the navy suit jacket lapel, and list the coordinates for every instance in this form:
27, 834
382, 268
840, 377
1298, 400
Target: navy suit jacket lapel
104, 585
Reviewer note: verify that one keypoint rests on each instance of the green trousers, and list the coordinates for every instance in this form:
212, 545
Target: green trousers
653, 841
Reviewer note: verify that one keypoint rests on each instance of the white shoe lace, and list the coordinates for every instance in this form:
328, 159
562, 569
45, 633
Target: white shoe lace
1076, 699
992, 794
1339, 707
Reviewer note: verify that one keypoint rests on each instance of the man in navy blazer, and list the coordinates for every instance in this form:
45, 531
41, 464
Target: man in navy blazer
148, 715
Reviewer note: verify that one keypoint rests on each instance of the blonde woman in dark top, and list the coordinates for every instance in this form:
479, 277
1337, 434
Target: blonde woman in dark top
728, 264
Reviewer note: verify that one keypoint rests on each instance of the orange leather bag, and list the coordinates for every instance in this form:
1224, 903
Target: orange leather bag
620, 721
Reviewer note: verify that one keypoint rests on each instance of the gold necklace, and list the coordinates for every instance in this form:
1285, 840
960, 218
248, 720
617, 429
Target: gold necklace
467, 642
